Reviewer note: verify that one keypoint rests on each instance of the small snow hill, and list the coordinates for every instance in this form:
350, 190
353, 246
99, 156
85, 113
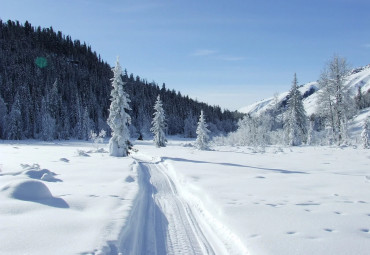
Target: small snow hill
358, 78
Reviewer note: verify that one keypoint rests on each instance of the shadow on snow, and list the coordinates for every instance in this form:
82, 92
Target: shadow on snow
282, 171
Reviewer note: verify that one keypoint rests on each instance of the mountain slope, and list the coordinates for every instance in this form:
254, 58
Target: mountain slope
53, 87
358, 78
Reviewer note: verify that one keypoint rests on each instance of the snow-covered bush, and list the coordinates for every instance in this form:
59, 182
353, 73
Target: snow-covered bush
97, 139
82, 153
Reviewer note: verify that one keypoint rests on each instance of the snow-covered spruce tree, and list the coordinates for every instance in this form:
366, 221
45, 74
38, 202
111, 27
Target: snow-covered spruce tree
365, 134
47, 130
14, 121
159, 124
86, 125
296, 119
119, 119
334, 101
202, 133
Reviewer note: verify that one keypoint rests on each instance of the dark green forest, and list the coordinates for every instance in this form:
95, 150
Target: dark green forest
53, 87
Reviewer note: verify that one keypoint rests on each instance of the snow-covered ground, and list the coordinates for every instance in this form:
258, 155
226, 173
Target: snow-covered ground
179, 200
83, 206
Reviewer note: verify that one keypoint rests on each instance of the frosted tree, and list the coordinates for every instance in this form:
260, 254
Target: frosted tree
296, 119
47, 130
86, 124
334, 101
14, 121
253, 131
190, 125
365, 134
202, 133
119, 119
310, 132
159, 124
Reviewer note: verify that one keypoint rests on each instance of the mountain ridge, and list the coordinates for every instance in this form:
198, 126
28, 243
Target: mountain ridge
357, 78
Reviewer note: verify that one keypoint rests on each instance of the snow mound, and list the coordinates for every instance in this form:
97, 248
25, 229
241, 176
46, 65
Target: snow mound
29, 190
49, 177
82, 153
35, 172
32, 190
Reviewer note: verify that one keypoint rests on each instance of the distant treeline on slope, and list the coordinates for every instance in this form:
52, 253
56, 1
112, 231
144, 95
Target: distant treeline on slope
52, 87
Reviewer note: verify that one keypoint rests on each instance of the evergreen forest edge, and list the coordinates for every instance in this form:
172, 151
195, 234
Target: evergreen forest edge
53, 87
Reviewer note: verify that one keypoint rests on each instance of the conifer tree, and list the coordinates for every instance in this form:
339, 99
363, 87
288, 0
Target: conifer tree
365, 134
119, 119
14, 122
159, 124
47, 131
202, 133
190, 125
296, 123
3, 114
86, 124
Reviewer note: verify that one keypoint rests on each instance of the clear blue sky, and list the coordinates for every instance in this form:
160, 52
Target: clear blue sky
225, 52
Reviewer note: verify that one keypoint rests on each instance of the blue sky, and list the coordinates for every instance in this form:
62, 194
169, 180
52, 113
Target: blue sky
226, 52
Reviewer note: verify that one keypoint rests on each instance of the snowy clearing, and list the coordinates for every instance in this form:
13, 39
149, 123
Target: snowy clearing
178, 200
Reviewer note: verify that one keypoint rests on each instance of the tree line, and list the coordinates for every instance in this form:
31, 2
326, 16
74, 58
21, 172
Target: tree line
287, 122
53, 87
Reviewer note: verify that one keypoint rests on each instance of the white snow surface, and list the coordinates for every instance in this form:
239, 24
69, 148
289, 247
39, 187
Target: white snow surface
359, 77
179, 200
79, 213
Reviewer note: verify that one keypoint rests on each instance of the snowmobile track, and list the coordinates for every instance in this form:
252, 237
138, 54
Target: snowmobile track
162, 222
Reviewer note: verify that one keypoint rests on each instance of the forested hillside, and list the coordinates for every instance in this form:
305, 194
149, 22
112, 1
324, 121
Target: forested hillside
53, 87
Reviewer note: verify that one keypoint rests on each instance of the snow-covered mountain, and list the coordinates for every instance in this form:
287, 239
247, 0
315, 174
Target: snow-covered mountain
359, 77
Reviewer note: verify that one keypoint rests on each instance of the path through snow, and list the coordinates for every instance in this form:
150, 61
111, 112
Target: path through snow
162, 222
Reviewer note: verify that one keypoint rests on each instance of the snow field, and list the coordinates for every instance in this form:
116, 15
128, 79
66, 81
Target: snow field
84, 210
179, 200
301, 200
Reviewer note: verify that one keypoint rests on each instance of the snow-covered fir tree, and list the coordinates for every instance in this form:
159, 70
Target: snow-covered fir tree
14, 121
365, 134
47, 130
202, 133
335, 104
159, 124
86, 124
119, 119
296, 119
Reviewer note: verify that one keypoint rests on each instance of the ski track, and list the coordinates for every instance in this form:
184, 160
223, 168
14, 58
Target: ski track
149, 230
162, 222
